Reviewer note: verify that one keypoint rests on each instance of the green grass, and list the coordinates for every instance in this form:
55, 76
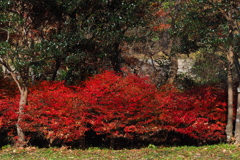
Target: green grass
211, 152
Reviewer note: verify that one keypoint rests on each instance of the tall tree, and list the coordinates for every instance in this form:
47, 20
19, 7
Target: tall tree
21, 49
224, 35
111, 21
230, 11
218, 27
94, 32
210, 23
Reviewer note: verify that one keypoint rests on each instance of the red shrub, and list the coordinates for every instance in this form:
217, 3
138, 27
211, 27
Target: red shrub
8, 109
120, 106
56, 111
199, 113
8, 105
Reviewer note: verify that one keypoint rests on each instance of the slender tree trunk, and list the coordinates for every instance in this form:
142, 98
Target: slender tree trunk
173, 69
115, 58
237, 123
174, 63
57, 66
229, 127
23, 101
231, 57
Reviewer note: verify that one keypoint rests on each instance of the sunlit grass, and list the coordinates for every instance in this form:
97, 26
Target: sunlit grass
211, 152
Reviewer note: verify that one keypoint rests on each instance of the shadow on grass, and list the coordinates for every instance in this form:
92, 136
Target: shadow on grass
92, 140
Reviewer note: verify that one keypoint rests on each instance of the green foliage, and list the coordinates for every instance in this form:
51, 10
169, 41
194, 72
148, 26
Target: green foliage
152, 146
6, 147
209, 67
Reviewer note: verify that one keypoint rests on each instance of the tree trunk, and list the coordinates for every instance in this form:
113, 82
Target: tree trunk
174, 62
173, 69
229, 127
23, 102
237, 123
57, 66
115, 58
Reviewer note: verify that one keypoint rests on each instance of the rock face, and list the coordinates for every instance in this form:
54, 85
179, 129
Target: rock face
185, 65
157, 70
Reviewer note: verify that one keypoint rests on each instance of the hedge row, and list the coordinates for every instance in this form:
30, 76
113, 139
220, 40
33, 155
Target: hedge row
117, 106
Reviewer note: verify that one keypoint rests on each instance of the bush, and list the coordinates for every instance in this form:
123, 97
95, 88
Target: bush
56, 111
199, 113
8, 107
118, 107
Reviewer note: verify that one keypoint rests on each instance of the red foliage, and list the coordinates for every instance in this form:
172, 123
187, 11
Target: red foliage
199, 113
118, 106
161, 13
8, 113
56, 111
161, 26
8, 104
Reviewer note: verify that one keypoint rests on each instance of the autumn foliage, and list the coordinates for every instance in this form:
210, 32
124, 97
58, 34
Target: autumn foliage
199, 113
117, 106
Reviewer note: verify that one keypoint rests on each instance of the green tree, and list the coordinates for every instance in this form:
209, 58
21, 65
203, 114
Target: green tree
214, 24
21, 51
206, 60
109, 22
224, 36
217, 26
92, 34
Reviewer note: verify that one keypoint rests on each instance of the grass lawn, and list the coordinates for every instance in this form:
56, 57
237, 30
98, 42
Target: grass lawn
211, 152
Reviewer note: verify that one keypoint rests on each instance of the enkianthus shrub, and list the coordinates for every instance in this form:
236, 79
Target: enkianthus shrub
121, 106
56, 111
8, 106
116, 106
199, 113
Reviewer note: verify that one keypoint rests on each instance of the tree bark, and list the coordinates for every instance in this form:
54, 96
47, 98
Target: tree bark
229, 127
115, 58
237, 123
231, 29
23, 102
174, 63
57, 66
173, 69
